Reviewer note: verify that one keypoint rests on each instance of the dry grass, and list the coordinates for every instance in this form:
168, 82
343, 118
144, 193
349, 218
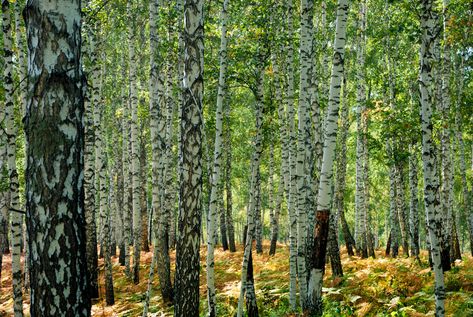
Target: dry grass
370, 287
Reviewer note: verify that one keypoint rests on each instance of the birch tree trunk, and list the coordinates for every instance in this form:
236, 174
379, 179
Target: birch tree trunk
339, 202
360, 199
228, 182
302, 174
258, 216
401, 207
55, 113
429, 19
104, 205
11, 135
190, 167
109, 294
89, 168
126, 180
216, 172
392, 246
413, 203
247, 265
325, 192
135, 160
157, 132
291, 150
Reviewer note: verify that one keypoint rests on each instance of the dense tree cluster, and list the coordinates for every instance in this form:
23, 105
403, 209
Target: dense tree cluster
176, 124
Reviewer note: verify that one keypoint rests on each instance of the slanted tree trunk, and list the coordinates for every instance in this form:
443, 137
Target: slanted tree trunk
11, 133
190, 167
216, 171
54, 205
325, 191
429, 20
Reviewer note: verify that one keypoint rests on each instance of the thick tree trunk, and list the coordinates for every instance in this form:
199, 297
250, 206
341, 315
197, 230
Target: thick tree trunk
55, 114
190, 169
429, 19
325, 192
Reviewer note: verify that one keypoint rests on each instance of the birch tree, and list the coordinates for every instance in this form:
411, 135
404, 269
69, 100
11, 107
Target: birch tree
246, 285
303, 144
190, 165
11, 136
216, 171
55, 113
429, 28
325, 193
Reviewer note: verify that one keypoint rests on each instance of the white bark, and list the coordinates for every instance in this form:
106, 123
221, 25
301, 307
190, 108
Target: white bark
11, 134
330, 135
429, 19
216, 172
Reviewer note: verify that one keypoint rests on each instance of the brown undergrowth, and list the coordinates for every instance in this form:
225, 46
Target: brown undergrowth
370, 287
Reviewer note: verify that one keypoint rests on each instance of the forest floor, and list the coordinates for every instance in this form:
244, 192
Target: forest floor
369, 287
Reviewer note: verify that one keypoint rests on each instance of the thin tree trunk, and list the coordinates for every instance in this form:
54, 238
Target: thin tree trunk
393, 217
429, 19
228, 182
401, 207
216, 171
89, 168
291, 151
157, 127
11, 135
190, 168
339, 202
302, 174
414, 203
135, 160
143, 192
360, 197
258, 218
325, 192
255, 165
55, 208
